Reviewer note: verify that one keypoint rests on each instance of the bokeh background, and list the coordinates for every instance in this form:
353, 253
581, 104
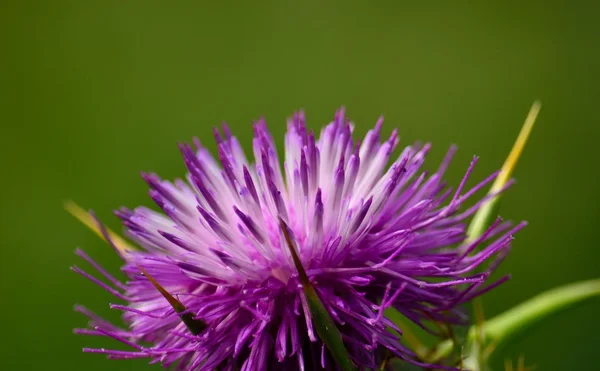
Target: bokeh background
93, 92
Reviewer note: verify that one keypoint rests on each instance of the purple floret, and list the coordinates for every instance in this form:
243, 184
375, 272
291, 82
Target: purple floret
370, 237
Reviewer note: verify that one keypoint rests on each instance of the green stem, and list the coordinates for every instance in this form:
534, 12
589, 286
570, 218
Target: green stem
523, 316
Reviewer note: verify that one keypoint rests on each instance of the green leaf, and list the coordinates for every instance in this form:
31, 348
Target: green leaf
90, 221
487, 212
482, 220
411, 339
520, 318
324, 325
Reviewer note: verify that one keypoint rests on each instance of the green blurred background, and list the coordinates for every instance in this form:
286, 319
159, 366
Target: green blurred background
95, 91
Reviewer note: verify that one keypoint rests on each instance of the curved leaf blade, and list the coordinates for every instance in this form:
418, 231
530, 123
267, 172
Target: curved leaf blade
91, 222
522, 317
482, 218
542, 306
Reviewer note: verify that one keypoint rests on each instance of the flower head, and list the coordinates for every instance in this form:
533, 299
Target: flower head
369, 236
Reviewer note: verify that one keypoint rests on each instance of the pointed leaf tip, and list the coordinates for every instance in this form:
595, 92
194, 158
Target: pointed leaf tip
322, 321
486, 212
290, 244
517, 149
194, 325
94, 224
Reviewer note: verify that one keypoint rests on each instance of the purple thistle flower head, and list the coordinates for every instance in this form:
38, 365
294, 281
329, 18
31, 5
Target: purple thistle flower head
370, 237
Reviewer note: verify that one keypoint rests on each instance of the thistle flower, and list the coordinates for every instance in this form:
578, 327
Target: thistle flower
369, 236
